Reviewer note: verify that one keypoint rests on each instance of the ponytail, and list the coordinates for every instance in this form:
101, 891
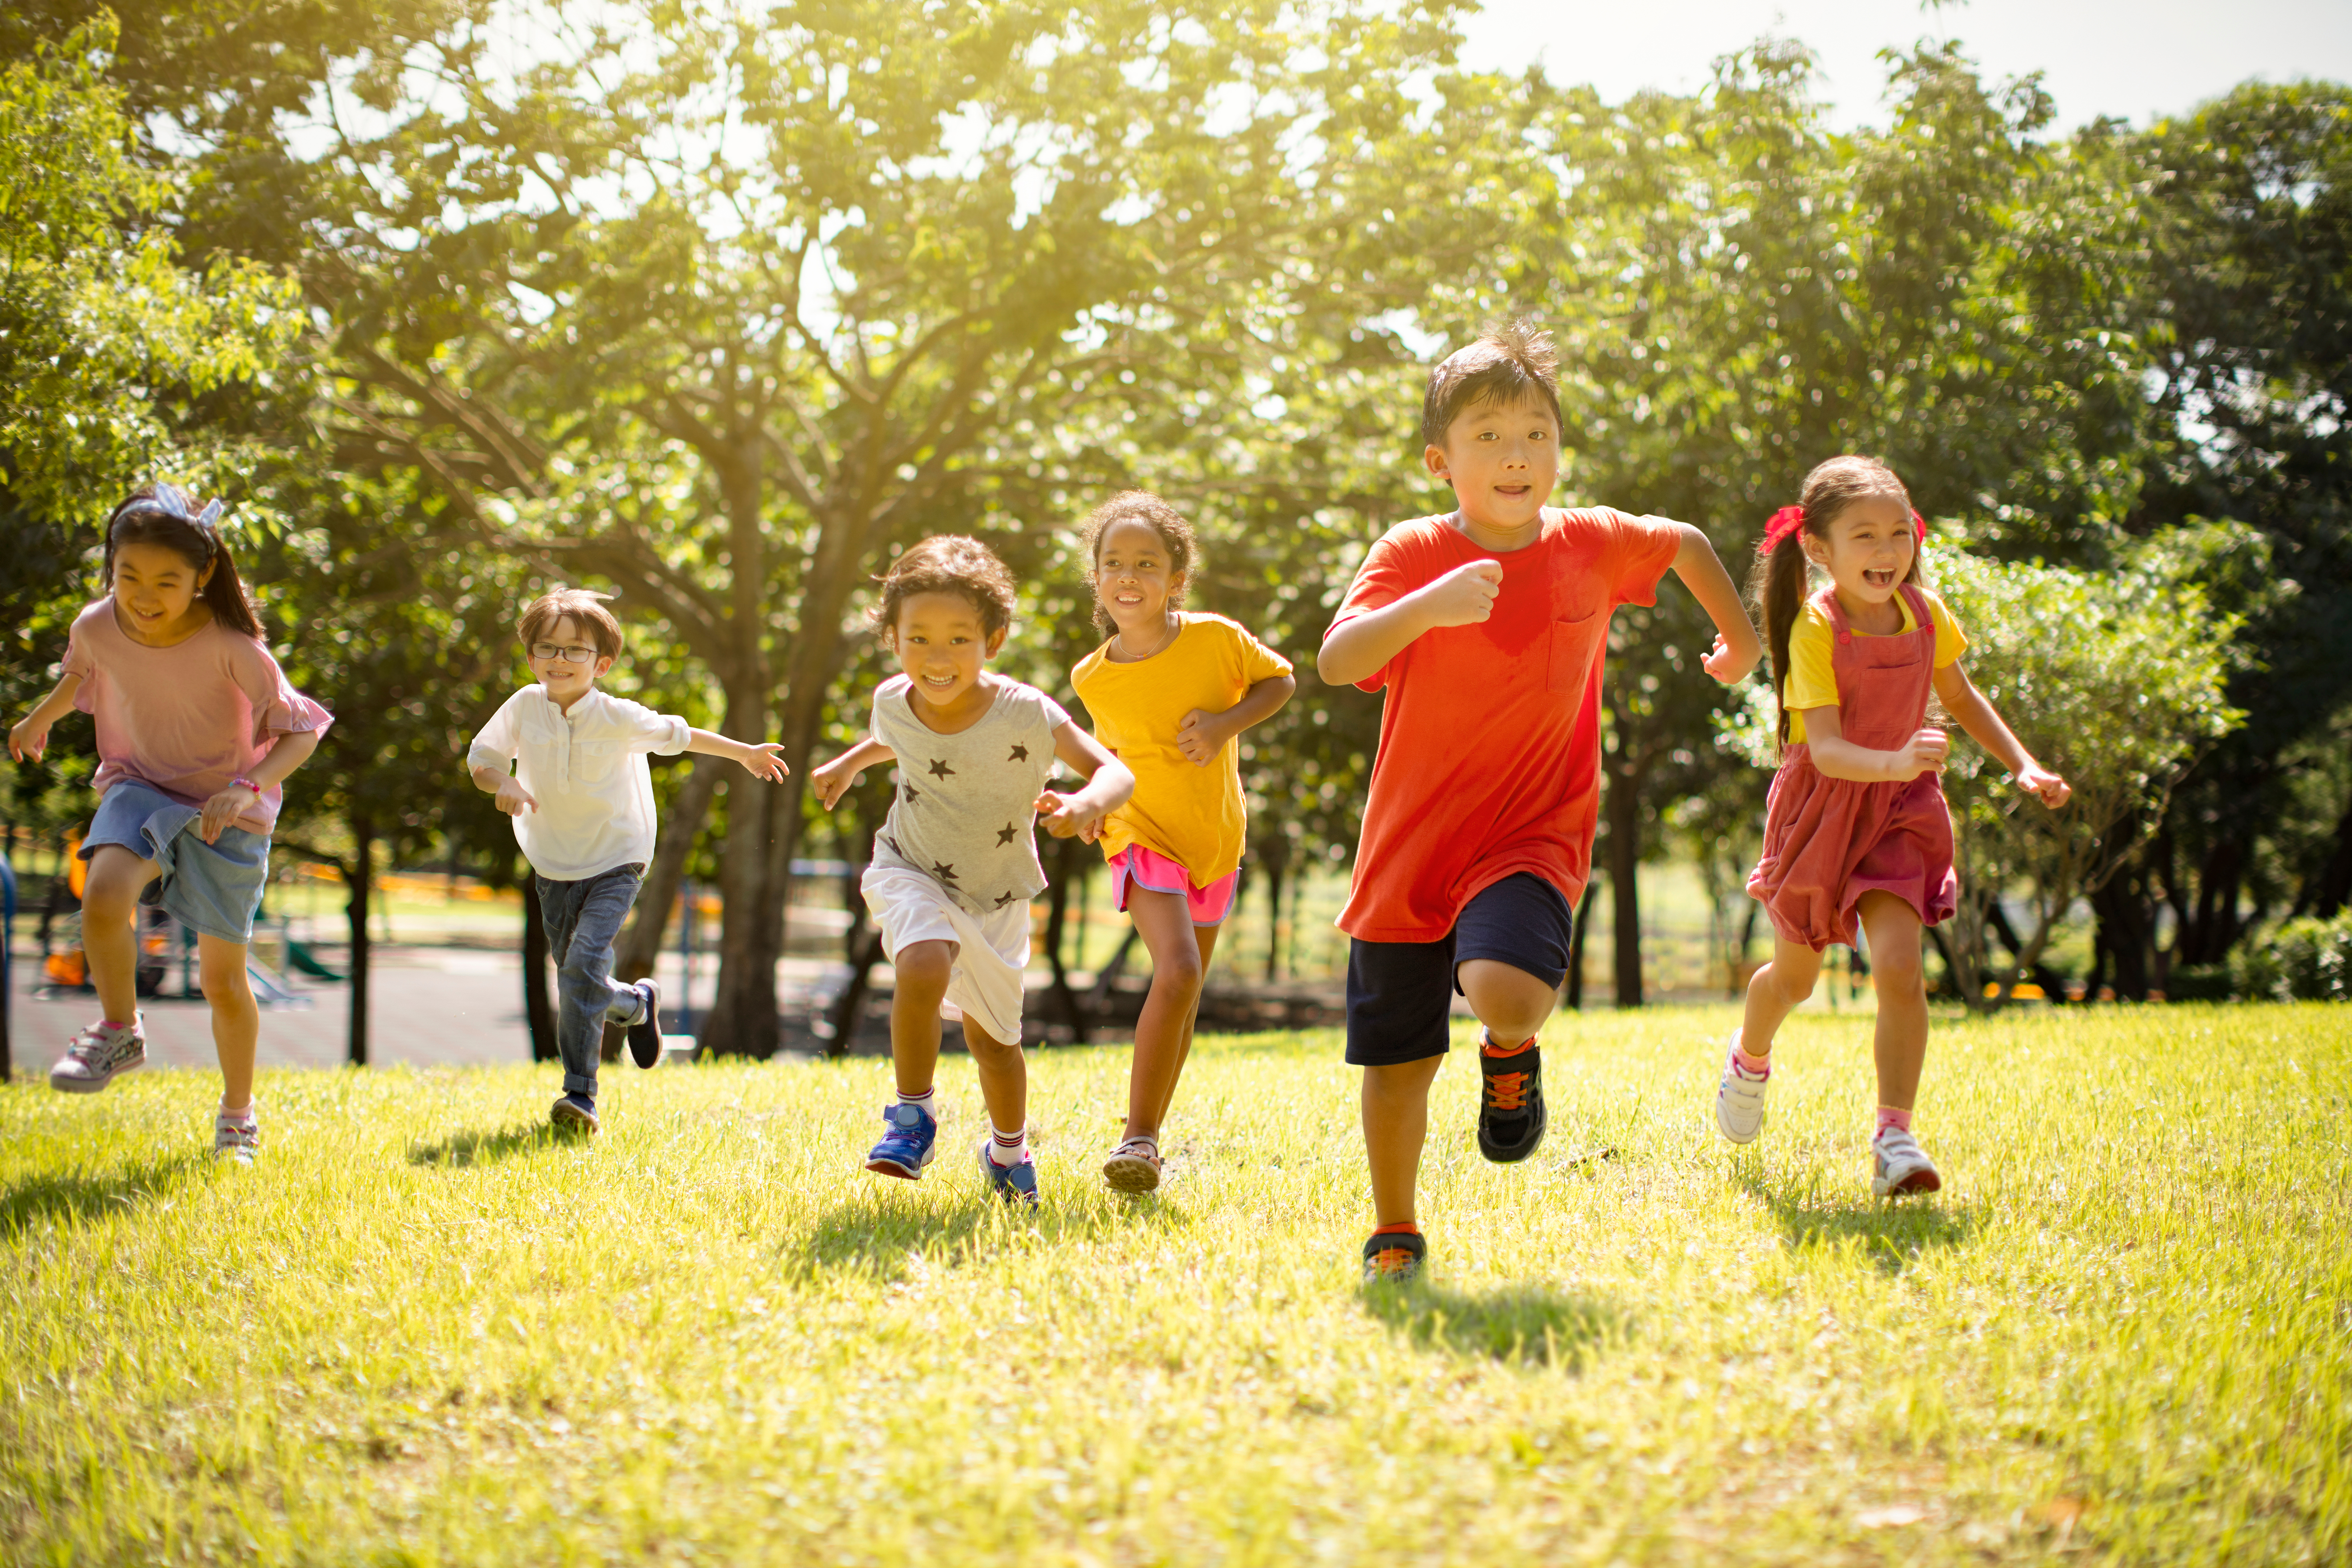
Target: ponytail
1776, 583
166, 515
1776, 586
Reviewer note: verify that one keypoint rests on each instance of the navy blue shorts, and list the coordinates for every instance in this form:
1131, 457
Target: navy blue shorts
1399, 992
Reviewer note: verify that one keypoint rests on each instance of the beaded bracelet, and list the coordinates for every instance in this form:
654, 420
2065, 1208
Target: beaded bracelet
249, 784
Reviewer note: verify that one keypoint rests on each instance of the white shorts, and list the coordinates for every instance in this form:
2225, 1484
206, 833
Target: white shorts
991, 950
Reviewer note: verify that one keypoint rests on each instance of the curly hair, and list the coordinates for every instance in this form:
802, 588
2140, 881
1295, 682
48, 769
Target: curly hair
1510, 361
1176, 537
947, 564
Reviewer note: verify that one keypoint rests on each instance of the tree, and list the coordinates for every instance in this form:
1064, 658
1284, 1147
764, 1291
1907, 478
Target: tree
848, 279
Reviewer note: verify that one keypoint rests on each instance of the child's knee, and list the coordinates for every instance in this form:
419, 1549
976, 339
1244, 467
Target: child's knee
923, 968
223, 981
1505, 998
1182, 972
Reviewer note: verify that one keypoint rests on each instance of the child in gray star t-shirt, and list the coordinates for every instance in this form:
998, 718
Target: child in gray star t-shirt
955, 865
962, 810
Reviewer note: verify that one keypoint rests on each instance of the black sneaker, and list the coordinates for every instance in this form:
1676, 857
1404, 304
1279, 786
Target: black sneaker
1393, 1257
574, 1113
644, 1036
1510, 1105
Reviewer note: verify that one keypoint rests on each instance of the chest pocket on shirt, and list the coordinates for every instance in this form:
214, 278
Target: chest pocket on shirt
1898, 652
593, 761
1569, 658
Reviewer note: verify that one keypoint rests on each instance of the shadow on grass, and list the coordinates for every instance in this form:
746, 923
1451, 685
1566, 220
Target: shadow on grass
1519, 1325
478, 1148
1892, 1235
882, 1234
73, 1198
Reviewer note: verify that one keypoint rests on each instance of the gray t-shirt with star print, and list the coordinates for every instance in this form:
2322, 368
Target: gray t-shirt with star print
961, 813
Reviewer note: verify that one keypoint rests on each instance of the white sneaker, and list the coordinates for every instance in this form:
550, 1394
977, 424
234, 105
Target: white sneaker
98, 1055
237, 1138
1739, 1098
1899, 1167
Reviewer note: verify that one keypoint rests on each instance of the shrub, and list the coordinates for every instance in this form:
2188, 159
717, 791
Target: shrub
2301, 960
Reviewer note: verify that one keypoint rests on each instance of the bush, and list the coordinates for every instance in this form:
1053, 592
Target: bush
2302, 960
2199, 983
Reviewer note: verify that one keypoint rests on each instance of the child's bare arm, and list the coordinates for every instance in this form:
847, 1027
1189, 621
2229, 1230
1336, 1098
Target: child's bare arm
1736, 647
291, 751
1965, 702
764, 759
1838, 757
1359, 647
1109, 785
1202, 735
512, 798
30, 738
832, 781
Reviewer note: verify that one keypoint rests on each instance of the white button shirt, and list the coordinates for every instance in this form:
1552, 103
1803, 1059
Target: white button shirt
587, 771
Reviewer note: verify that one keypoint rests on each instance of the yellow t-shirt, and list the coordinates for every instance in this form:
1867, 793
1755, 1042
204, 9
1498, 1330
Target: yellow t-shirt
1812, 683
1191, 814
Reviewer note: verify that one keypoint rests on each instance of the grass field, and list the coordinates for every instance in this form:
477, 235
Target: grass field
424, 1333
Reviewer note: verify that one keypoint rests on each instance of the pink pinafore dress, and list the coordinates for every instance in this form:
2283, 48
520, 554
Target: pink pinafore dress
1827, 841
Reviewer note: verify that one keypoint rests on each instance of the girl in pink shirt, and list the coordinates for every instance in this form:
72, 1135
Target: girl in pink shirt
197, 727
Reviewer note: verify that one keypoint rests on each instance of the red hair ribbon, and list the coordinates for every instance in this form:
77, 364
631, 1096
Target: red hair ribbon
1788, 519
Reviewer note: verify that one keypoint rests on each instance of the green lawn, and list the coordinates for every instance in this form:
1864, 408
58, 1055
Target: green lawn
423, 1332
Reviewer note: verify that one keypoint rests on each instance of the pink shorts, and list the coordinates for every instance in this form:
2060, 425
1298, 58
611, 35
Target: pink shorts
1155, 873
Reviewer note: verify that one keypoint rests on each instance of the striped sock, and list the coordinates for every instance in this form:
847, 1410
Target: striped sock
1006, 1149
928, 1102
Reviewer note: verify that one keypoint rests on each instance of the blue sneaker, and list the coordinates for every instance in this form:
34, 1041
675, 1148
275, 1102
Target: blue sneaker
906, 1148
574, 1112
1014, 1183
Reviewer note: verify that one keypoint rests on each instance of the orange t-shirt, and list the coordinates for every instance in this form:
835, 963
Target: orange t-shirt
1490, 739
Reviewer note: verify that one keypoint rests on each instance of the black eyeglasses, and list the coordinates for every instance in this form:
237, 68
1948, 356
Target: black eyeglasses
572, 656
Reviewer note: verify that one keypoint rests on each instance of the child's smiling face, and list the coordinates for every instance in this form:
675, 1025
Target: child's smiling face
944, 646
1503, 460
1134, 576
567, 682
155, 587
1870, 546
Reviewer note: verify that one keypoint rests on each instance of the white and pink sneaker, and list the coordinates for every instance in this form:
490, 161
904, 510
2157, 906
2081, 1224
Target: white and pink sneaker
1740, 1097
98, 1055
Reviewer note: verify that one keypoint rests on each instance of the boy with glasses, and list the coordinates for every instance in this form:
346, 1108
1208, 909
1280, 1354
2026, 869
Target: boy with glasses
583, 801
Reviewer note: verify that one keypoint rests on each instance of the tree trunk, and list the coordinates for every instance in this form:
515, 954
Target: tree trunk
539, 1015
355, 911
1572, 996
1276, 856
1625, 809
2124, 937
1057, 920
849, 1007
2333, 886
640, 945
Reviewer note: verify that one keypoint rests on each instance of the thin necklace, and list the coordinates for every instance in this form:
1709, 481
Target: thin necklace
1173, 627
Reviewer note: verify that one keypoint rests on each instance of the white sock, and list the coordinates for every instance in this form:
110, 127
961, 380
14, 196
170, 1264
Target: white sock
1007, 1148
927, 1101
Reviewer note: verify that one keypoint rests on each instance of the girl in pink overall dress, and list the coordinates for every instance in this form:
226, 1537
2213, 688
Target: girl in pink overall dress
1857, 832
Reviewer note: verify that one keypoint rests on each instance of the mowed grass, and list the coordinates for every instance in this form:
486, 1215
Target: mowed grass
426, 1331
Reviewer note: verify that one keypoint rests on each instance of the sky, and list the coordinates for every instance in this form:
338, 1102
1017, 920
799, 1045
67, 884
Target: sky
2134, 60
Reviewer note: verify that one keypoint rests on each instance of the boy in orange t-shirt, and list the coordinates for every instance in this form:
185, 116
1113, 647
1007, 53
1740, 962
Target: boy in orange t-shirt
1487, 627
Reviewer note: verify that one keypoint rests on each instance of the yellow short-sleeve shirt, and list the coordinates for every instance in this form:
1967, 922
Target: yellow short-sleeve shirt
1812, 683
1191, 814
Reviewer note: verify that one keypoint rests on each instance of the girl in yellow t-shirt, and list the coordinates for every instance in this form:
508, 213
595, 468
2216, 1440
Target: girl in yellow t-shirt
1168, 694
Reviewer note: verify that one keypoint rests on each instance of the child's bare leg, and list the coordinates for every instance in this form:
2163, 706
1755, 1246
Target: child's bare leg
1892, 927
1003, 1078
1774, 992
1163, 1033
1205, 937
1511, 1003
1396, 1123
237, 1018
921, 984
109, 901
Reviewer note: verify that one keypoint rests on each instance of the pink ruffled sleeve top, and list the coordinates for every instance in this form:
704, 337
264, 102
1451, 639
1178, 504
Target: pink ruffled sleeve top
189, 718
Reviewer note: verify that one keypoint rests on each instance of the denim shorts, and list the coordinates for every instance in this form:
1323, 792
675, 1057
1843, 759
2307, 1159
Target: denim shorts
215, 888
1399, 993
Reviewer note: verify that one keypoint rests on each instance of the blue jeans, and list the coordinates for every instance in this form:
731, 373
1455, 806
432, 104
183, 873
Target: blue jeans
583, 919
